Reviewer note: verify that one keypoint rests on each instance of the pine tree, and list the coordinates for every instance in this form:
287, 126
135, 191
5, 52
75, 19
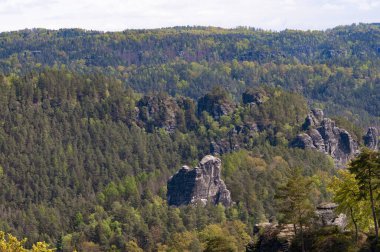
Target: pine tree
294, 203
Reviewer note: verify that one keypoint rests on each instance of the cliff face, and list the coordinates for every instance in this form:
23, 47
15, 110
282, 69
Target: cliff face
322, 134
371, 139
199, 185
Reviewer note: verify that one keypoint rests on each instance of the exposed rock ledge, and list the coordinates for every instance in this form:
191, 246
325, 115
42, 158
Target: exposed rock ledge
199, 185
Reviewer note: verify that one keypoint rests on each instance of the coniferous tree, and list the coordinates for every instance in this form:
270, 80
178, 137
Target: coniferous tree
295, 203
366, 168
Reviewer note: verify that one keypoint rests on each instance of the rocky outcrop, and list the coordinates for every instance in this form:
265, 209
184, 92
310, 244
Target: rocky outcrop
318, 141
163, 111
216, 103
202, 184
326, 216
278, 237
322, 134
371, 139
313, 119
303, 141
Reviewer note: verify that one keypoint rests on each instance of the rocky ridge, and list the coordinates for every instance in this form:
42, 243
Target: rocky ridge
322, 134
202, 184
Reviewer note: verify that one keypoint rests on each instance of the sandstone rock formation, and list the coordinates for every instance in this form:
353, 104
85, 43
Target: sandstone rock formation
216, 103
322, 134
371, 139
313, 119
328, 217
199, 185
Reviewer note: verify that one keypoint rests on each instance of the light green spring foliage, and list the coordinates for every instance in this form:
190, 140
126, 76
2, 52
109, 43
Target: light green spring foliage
366, 168
10, 243
345, 191
230, 236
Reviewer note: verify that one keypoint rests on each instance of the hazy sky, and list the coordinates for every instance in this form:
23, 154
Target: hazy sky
111, 15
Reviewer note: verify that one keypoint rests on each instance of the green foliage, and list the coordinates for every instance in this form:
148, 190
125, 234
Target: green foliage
366, 168
346, 194
10, 243
295, 203
132, 247
337, 68
254, 176
230, 237
357, 192
325, 239
80, 168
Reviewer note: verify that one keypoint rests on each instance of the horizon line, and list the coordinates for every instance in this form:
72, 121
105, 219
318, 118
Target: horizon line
246, 27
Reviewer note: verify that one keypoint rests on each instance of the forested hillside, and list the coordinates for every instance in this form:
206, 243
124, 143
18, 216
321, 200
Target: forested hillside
92, 125
338, 67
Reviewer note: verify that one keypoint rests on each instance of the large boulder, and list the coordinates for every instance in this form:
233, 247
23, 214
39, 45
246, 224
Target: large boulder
201, 184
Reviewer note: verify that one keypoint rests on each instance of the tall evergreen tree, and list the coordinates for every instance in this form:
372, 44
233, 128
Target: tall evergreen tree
295, 203
366, 167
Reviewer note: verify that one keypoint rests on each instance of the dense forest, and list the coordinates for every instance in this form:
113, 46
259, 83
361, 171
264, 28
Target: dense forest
94, 124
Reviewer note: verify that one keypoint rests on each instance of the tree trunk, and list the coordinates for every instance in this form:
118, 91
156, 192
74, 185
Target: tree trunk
302, 241
355, 224
301, 229
373, 212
